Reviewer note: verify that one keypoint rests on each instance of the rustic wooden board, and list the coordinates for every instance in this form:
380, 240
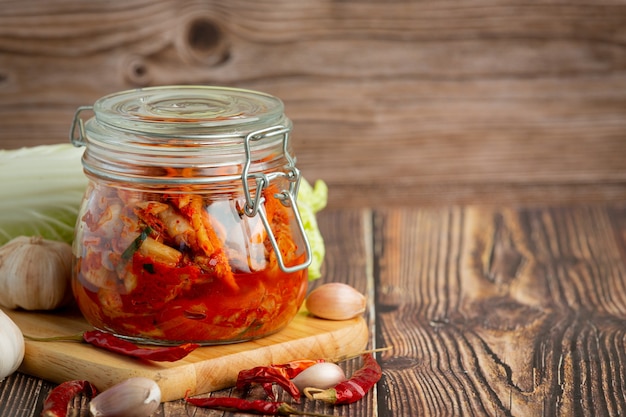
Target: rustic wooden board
207, 369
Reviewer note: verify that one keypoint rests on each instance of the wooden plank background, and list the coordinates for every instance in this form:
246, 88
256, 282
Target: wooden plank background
396, 102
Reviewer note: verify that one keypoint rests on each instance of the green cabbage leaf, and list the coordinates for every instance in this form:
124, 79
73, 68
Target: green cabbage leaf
41, 189
310, 201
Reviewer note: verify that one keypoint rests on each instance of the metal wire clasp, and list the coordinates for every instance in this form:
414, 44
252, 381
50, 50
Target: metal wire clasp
77, 133
286, 197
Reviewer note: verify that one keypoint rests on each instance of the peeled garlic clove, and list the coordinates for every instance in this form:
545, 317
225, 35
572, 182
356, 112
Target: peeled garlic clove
35, 273
335, 301
11, 346
134, 397
322, 375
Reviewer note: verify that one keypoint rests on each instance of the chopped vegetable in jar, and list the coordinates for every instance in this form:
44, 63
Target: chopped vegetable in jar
185, 266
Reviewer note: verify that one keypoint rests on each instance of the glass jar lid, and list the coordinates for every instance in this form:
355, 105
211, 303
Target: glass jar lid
189, 111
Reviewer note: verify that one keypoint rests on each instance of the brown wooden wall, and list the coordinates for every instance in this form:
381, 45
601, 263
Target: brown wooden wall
409, 102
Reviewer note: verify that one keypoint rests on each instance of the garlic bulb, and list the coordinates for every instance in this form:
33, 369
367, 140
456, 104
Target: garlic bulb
134, 397
335, 301
322, 375
35, 273
11, 346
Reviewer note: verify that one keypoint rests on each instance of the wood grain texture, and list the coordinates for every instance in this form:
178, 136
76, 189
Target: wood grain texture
406, 102
515, 312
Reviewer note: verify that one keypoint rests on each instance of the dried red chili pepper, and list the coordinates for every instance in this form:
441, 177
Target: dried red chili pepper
354, 388
266, 376
281, 374
293, 368
56, 403
259, 407
114, 344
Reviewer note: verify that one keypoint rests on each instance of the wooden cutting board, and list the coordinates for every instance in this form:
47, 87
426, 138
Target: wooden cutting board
206, 369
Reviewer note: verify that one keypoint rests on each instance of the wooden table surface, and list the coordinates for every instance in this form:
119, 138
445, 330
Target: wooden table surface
489, 311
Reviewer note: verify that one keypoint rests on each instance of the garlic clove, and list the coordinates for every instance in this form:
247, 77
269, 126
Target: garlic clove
336, 301
35, 273
322, 375
134, 397
11, 346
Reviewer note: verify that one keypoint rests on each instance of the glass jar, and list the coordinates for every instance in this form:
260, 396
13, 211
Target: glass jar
189, 229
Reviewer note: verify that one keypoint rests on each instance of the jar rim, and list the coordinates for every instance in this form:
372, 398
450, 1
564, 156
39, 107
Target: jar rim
189, 111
